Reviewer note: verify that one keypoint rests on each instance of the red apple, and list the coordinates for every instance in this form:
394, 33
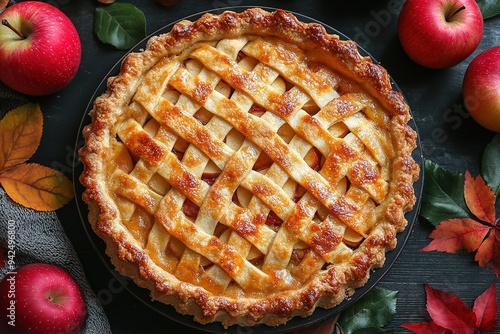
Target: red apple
41, 298
481, 89
440, 33
40, 48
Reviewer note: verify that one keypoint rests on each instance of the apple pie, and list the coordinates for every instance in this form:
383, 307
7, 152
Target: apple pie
248, 167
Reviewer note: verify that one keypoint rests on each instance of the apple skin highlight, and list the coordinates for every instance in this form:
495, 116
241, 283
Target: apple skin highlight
48, 58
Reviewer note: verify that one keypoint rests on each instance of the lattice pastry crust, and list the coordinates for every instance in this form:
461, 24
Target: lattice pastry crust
248, 168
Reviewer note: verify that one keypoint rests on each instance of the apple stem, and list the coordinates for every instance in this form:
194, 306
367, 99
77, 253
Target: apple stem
6, 23
456, 12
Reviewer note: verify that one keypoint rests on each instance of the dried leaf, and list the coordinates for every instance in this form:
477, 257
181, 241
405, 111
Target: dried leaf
486, 309
37, 187
449, 311
479, 198
20, 134
454, 235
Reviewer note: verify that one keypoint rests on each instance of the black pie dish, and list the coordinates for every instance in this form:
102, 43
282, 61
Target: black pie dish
168, 311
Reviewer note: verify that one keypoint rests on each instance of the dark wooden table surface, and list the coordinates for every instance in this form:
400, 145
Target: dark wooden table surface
449, 137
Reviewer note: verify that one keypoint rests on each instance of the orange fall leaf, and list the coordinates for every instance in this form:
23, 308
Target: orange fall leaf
38, 187
479, 198
457, 234
482, 237
20, 134
489, 252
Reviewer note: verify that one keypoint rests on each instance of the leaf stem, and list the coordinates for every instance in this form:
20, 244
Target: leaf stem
6, 23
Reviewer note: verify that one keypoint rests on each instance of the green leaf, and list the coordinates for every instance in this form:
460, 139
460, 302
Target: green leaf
490, 164
120, 24
375, 310
489, 8
443, 195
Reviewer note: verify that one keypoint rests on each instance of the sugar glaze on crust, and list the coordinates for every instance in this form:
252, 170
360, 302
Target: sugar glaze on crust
247, 167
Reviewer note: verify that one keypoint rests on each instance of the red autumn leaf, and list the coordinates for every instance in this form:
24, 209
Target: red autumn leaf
495, 254
482, 236
479, 198
488, 253
457, 234
450, 315
426, 328
449, 311
486, 309
484, 252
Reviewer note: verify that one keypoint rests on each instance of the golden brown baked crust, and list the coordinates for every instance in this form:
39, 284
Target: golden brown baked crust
248, 168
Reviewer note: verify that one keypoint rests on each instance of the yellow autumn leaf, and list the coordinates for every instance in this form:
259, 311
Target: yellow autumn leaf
38, 187
20, 134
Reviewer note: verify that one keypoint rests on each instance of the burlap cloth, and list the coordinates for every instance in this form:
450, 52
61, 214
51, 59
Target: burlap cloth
39, 237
